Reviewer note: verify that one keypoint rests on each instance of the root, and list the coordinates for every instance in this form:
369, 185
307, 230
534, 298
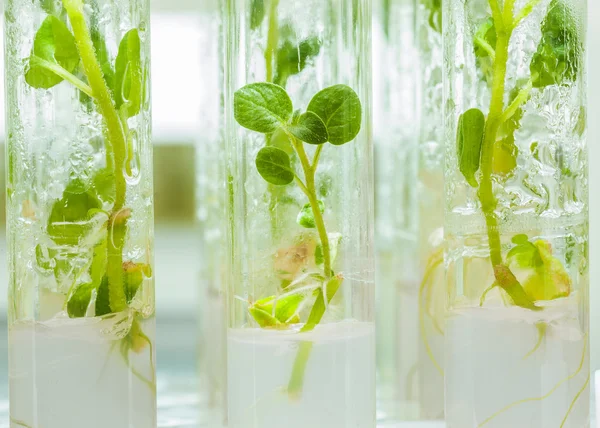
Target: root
20, 423
541, 328
583, 388
549, 393
434, 262
486, 292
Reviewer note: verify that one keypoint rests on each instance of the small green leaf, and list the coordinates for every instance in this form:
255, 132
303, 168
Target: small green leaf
292, 58
128, 74
54, 45
524, 253
68, 221
133, 278
487, 34
104, 185
306, 217
340, 110
257, 13
274, 166
334, 243
263, 318
79, 301
309, 128
560, 52
102, 299
469, 140
318, 309
262, 107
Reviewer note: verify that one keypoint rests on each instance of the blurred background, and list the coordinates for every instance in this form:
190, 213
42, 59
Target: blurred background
185, 105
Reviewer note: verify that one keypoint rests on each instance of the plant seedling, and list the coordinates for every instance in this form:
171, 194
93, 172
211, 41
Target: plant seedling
333, 116
57, 55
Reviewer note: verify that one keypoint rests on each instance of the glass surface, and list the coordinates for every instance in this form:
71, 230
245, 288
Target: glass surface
431, 212
517, 330
396, 155
80, 215
301, 289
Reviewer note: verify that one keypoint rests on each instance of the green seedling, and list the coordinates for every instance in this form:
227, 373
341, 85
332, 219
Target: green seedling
78, 56
557, 61
333, 116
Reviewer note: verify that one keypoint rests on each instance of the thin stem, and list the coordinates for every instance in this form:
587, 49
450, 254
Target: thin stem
486, 47
519, 100
297, 380
311, 193
117, 139
61, 72
497, 15
272, 39
525, 11
509, 12
316, 158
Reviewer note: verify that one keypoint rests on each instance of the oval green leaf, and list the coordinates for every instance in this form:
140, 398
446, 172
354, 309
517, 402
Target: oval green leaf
274, 166
309, 128
262, 107
340, 110
469, 139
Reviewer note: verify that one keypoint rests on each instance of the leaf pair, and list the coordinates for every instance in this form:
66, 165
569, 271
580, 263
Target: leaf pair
277, 313
54, 58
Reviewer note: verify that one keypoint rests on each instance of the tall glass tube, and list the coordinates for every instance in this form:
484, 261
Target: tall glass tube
516, 224
396, 227
80, 214
430, 211
211, 191
301, 337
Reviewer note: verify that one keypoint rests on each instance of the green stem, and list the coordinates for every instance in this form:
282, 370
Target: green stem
61, 72
504, 277
311, 194
117, 140
272, 39
296, 382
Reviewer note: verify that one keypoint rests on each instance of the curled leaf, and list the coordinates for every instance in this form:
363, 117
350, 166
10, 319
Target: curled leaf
469, 139
306, 217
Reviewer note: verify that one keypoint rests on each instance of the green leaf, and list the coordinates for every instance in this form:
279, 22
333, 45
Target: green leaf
334, 243
306, 217
318, 309
68, 221
257, 13
309, 128
79, 301
339, 108
103, 57
487, 34
560, 53
104, 185
128, 74
550, 280
53, 46
524, 253
262, 107
292, 58
274, 166
435, 14
133, 278
469, 140
284, 314
102, 299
